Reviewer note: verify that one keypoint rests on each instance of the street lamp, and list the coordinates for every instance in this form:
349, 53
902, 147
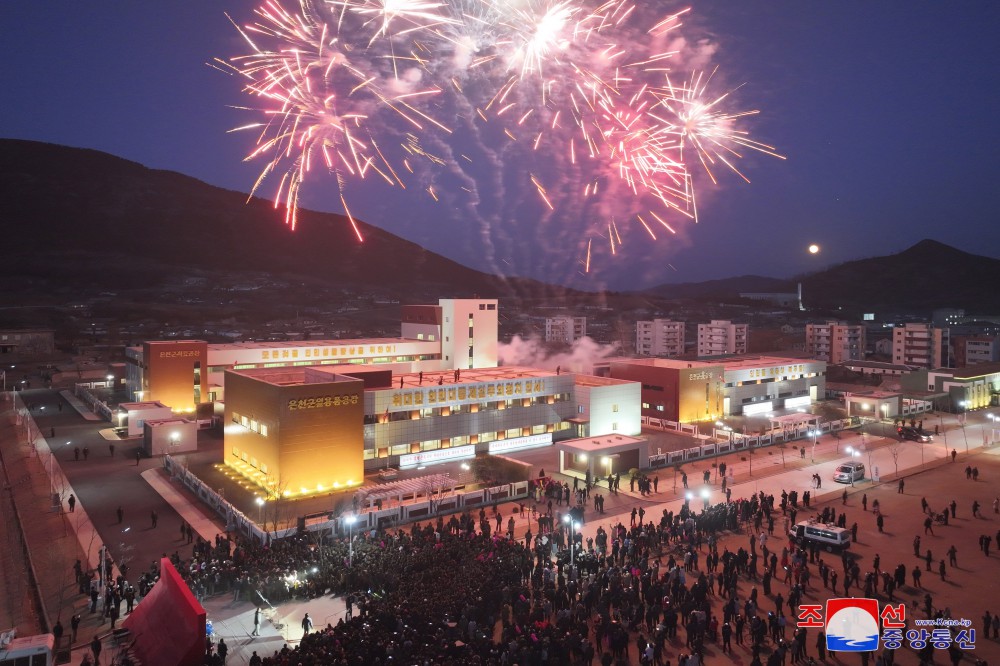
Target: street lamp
854, 453
815, 434
350, 520
705, 494
260, 510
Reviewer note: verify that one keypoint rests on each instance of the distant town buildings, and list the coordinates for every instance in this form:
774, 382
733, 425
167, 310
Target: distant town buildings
17, 343
920, 344
722, 337
565, 328
659, 337
835, 342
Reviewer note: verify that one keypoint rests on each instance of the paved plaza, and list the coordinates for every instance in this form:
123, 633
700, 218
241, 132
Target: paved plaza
103, 482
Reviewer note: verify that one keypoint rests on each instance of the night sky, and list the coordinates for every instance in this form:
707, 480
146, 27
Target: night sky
886, 112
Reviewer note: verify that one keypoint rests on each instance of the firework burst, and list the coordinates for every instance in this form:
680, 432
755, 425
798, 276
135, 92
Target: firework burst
586, 92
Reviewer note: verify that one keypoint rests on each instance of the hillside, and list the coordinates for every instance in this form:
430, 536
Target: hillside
72, 212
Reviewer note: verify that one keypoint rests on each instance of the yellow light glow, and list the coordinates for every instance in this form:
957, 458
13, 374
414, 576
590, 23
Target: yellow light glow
813, 249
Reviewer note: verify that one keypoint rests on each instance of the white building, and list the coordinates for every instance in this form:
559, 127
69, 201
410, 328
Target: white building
722, 337
659, 337
565, 329
921, 344
835, 342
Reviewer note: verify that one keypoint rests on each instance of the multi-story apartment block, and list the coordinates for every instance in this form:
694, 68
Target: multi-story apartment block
565, 329
975, 349
921, 344
659, 337
722, 337
835, 342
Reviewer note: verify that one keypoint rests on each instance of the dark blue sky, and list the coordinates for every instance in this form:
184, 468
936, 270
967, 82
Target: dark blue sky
886, 111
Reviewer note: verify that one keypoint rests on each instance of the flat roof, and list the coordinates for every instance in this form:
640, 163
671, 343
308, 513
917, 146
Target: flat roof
473, 376
137, 406
157, 422
978, 370
727, 362
878, 364
593, 380
609, 444
288, 344
293, 375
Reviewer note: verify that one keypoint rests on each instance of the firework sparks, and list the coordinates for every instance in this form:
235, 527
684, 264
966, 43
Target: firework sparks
587, 87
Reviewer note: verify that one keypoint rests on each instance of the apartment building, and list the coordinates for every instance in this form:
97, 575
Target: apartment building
722, 337
921, 344
659, 337
836, 342
565, 329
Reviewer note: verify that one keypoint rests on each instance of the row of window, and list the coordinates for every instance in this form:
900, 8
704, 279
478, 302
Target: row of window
250, 424
451, 410
249, 459
463, 440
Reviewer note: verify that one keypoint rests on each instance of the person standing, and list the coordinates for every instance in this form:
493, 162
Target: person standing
95, 648
307, 624
86, 452
74, 626
72, 503
953, 556
222, 649
821, 645
843, 497
111, 447
138, 456
941, 570
899, 487
256, 622
153, 517
121, 514
57, 632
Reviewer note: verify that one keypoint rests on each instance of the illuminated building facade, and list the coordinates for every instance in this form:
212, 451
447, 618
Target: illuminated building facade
355, 419
659, 337
456, 333
689, 391
720, 337
836, 342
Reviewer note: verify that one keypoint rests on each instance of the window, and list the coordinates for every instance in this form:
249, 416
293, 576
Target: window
580, 409
614, 408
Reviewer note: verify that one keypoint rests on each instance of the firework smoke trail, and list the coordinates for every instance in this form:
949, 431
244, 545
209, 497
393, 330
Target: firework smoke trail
584, 92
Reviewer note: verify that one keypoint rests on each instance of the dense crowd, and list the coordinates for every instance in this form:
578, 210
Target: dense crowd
459, 592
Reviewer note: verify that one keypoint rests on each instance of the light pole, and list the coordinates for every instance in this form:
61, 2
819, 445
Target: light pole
815, 434
260, 511
705, 494
851, 452
350, 520
964, 405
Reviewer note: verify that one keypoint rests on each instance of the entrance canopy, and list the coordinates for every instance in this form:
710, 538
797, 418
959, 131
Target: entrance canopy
405, 489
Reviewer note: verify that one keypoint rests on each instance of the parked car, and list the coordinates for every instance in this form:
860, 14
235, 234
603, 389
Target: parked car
829, 537
848, 472
913, 434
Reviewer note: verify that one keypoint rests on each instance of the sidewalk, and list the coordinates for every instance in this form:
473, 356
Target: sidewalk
56, 539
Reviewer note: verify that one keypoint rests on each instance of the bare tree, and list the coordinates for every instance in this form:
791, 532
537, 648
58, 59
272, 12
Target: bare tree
894, 450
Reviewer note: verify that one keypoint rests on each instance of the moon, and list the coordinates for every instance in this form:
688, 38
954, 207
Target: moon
813, 249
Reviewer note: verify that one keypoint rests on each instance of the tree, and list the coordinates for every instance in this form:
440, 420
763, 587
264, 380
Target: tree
894, 450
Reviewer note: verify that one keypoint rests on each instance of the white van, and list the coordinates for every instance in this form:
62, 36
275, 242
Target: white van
830, 537
849, 472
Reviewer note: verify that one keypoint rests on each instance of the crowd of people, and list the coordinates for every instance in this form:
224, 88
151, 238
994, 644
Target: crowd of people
460, 592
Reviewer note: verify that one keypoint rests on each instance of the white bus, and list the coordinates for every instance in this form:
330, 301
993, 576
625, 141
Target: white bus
29, 651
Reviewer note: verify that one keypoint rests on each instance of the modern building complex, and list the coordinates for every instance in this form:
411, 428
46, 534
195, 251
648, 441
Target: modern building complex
698, 391
659, 337
565, 329
456, 333
719, 337
974, 387
309, 429
920, 344
835, 342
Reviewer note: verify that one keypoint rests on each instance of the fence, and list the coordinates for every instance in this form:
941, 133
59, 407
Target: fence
237, 521
97, 405
728, 441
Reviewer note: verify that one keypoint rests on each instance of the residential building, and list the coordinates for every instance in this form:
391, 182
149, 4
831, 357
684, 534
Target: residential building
659, 337
975, 349
835, 342
722, 337
565, 329
920, 344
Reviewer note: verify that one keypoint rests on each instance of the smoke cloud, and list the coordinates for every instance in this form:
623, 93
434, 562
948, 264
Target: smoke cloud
581, 358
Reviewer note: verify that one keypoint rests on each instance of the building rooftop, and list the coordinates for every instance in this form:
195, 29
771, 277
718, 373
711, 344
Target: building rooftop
608, 444
978, 370
137, 406
287, 344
